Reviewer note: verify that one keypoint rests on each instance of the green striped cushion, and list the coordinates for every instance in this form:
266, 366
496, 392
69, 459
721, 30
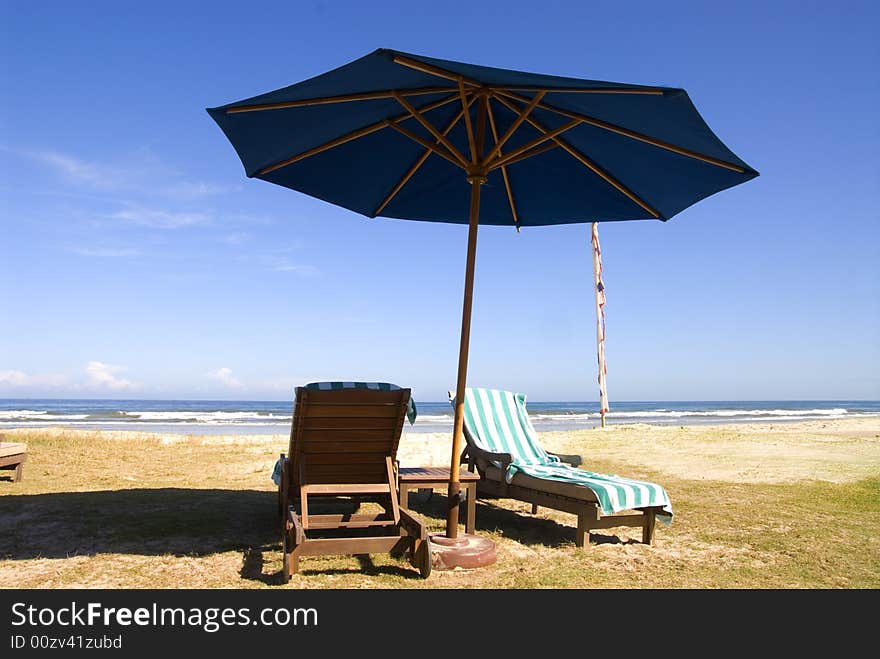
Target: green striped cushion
497, 421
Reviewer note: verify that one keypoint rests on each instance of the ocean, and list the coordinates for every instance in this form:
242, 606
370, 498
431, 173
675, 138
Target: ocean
273, 417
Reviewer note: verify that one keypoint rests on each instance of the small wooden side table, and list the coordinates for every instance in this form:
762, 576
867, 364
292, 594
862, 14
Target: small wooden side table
429, 478
13, 456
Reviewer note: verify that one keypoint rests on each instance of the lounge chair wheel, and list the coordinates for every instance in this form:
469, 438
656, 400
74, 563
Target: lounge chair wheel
423, 559
285, 562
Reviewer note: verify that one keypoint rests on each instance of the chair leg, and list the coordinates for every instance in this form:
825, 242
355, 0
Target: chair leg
18, 470
648, 527
292, 538
587, 515
582, 535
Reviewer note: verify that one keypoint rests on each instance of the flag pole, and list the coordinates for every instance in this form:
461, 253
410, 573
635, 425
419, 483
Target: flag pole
599, 289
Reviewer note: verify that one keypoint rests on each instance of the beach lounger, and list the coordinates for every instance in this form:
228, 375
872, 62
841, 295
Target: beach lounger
503, 447
12, 457
343, 448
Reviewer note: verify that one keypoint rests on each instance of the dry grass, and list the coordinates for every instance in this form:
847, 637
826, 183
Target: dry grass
782, 506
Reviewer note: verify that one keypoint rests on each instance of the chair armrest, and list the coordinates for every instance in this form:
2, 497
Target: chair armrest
413, 524
574, 460
482, 457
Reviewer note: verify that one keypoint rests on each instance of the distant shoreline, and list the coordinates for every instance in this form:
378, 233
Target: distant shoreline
272, 417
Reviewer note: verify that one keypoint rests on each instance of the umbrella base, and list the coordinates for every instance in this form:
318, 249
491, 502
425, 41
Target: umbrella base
466, 552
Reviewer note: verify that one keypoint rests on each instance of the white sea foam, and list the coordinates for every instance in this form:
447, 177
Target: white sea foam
216, 420
199, 417
673, 414
38, 415
20, 414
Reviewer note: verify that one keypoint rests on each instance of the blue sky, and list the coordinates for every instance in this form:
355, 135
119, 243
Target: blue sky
137, 260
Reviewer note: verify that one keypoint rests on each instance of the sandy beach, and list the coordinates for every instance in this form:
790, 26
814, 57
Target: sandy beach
139, 510
832, 450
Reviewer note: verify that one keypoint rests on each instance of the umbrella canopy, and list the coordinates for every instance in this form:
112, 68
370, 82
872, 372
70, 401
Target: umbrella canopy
597, 151
398, 135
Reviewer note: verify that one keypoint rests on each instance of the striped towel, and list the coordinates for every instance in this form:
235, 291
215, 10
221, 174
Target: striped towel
497, 421
327, 386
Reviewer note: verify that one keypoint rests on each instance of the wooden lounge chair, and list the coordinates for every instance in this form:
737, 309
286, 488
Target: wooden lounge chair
343, 448
12, 457
503, 447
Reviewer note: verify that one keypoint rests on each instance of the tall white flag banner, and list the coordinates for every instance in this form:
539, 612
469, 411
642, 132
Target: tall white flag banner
600, 320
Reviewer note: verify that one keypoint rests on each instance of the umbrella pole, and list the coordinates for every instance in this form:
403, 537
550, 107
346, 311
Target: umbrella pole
461, 382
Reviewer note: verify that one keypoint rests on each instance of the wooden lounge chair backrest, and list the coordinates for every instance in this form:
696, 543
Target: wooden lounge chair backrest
343, 445
345, 435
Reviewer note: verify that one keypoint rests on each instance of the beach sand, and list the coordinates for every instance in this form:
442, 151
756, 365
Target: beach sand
837, 450
766, 505
828, 450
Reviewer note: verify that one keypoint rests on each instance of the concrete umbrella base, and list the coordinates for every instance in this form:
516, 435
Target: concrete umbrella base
466, 552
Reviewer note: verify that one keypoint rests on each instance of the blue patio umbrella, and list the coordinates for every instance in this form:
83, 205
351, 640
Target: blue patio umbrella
405, 136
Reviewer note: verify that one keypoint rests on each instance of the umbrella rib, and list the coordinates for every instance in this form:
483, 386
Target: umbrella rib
649, 91
441, 137
425, 143
592, 121
552, 144
449, 75
361, 132
467, 121
528, 146
364, 96
496, 150
589, 164
417, 164
434, 70
503, 167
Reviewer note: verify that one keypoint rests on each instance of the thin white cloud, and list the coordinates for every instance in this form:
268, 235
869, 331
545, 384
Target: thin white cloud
189, 190
141, 172
159, 219
284, 264
104, 376
224, 375
74, 168
17, 379
236, 238
286, 384
106, 252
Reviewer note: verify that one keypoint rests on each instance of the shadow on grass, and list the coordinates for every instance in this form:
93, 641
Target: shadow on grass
146, 522
156, 522
367, 567
492, 516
